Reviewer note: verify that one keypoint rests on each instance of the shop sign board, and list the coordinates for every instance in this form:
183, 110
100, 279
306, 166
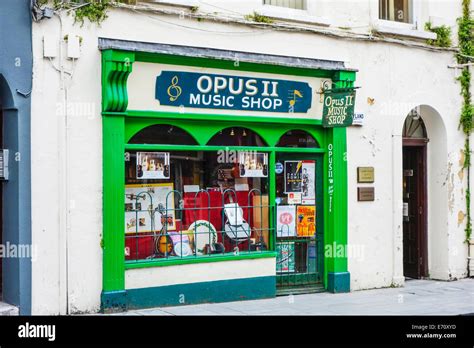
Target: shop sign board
330, 176
338, 107
230, 92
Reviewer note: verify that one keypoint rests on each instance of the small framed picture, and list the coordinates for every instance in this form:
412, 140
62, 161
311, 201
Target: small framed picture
153, 165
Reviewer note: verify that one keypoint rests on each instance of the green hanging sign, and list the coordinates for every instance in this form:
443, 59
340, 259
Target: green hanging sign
338, 110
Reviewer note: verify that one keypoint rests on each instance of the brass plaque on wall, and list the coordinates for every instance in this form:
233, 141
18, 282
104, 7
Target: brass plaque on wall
366, 194
365, 175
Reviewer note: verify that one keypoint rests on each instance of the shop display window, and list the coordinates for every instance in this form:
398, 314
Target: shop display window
184, 204
297, 138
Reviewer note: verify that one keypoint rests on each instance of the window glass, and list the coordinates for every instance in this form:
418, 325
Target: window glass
296, 4
296, 218
163, 134
414, 127
395, 10
236, 136
184, 204
297, 138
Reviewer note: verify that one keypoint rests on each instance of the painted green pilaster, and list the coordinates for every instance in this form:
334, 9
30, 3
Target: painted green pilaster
271, 198
337, 278
113, 203
116, 67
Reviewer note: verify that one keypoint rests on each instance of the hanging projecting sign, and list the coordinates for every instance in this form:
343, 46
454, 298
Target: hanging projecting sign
338, 109
213, 91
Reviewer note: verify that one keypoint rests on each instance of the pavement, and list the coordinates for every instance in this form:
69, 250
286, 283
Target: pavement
417, 297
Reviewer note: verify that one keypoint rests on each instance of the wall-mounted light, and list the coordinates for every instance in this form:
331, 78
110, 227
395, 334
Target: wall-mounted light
232, 132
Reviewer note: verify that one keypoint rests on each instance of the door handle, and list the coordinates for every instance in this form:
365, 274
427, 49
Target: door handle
420, 210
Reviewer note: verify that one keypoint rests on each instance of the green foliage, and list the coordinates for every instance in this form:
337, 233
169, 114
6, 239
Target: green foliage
465, 33
95, 12
466, 52
468, 228
256, 17
443, 35
467, 111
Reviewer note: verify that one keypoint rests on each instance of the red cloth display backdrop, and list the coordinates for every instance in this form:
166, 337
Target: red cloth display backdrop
197, 207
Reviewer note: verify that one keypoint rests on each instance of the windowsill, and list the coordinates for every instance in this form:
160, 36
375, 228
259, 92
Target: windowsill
175, 3
245, 255
402, 29
292, 15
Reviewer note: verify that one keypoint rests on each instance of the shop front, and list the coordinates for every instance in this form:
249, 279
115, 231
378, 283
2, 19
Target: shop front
220, 181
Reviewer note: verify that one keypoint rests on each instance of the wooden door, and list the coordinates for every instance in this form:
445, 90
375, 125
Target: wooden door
414, 211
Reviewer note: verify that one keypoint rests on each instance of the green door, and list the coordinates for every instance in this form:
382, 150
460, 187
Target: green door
299, 222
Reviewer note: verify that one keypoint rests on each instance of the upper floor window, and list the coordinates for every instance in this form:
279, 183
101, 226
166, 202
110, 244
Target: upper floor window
295, 4
396, 10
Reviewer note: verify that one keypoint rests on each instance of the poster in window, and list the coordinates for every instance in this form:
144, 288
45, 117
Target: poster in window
146, 208
293, 176
253, 164
306, 220
286, 221
285, 257
153, 165
308, 186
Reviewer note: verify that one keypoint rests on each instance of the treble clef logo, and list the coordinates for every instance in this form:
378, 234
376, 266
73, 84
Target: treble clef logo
174, 91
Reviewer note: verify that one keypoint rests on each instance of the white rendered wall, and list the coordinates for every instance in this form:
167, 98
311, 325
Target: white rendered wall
67, 197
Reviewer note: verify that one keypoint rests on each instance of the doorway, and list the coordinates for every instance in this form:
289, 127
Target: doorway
299, 224
415, 241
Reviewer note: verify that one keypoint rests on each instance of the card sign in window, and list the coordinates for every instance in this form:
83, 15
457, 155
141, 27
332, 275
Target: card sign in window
293, 176
253, 164
300, 178
285, 257
153, 165
286, 221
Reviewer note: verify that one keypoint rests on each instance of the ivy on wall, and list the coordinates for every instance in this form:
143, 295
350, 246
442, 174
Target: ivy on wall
95, 10
464, 57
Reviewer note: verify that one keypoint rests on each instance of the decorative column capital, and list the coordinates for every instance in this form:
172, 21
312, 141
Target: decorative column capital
116, 67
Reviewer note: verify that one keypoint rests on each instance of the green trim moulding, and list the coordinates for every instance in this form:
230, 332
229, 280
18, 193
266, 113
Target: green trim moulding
190, 293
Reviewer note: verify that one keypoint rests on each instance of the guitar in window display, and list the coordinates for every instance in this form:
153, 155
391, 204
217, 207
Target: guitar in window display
163, 242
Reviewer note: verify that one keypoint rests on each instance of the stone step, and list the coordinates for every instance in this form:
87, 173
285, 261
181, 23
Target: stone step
8, 309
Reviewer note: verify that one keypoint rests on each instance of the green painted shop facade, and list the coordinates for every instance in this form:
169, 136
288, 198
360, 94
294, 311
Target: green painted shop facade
121, 124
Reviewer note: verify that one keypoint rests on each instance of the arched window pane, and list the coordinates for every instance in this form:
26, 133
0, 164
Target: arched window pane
297, 138
414, 127
162, 134
236, 136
